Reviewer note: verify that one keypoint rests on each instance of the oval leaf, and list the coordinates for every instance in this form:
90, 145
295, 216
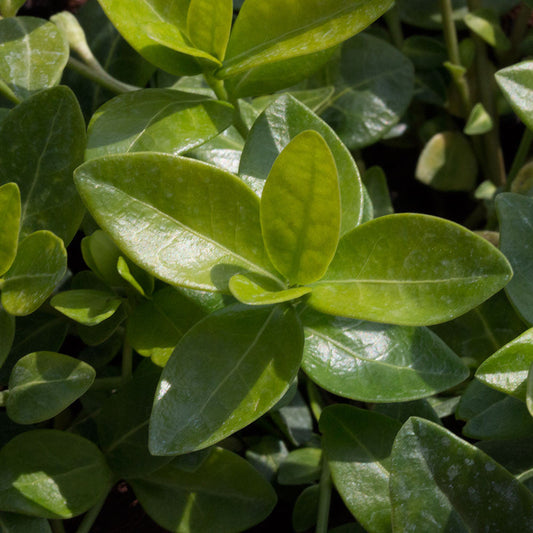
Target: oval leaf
410, 270
9, 224
42, 384
51, 474
203, 397
300, 209
87, 307
165, 224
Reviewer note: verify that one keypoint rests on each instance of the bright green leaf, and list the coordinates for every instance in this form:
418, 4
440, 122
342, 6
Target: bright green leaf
358, 444
7, 334
485, 23
95, 335
203, 397
9, 224
33, 54
410, 270
516, 83
440, 482
479, 121
51, 474
42, 384
154, 207
222, 490
9, 8
301, 466
139, 279
300, 209
159, 120
49, 130
88, 307
16, 523
101, 255
40, 265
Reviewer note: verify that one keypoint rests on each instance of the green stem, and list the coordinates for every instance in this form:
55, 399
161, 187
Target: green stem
315, 399
57, 526
3, 397
217, 86
90, 517
100, 76
521, 155
392, 18
8, 93
324, 498
105, 384
127, 361
518, 33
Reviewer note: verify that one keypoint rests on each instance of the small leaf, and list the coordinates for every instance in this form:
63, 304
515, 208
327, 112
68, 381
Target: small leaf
87, 307
485, 23
42, 384
516, 83
305, 511
95, 335
439, 481
375, 182
9, 224
16, 523
300, 466
9, 8
51, 474
300, 209
409, 270
130, 272
479, 121
40, 265
101, 255
251, 293
203, 397
227, 489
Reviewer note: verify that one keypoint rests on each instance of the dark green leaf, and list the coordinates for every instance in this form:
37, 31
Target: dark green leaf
94, 335
266, 456
7, 334
476, 399
294, 419
88, 307
375, 182
425, 52
514, 454
9, 224
401, 411
16, 523
304, 513
300, 467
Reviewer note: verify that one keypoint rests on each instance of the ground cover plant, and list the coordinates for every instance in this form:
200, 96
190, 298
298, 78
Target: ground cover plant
207, 297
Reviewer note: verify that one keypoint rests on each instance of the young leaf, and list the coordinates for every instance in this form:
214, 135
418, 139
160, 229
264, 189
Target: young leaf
49, 130
9, 224
40, 265
300, 209
439, 481
165, 224
485, 23
479, 121
33, 54
223, 489
101, 255
160, 120
203, 397
51, 474
270, 32
137, 278
9, 8
358, 445
16, 523
516, 83
42, 384
425, 265
377, 363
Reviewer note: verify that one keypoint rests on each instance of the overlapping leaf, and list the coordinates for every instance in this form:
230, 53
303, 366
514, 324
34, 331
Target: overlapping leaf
9, 224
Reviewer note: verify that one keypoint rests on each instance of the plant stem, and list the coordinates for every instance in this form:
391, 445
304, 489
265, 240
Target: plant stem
127, 361
90, 517
57, 526
518, 33
324, 500
217, 86
104, 384
238, 120
315, 399
521, 155
392, 18
8, 93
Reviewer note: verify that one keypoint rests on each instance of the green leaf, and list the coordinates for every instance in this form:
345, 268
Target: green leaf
200, 244
375, 182
155, 326
410, 270
266, 456
476, 399
101, 255
516, 83
137, 278
95, 335
440, 482
40, 265
248, 292
425, 52
479, 121
16, 523
270, 32
209, 25
374, 89
42, 384
516, 217
203, 397
358, 444
7, 334
300, 209
274, 129
305, 510
223, 490
9, 224
402, 411
485, 23
49, 130
448, 163
33, 54
163, 39
9, 8
161, 120
300, 467
377, 363
529, 390
87, 307
514, 454
51, 474
294, 418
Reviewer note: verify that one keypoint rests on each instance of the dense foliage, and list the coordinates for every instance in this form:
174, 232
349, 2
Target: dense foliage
205, 291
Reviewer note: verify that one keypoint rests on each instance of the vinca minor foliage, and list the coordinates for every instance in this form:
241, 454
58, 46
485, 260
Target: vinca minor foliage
203, 294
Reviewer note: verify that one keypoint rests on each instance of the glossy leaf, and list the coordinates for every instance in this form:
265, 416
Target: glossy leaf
160, 120
357, 445
516, 83
516, 216
300, 209
95, 335
203, 397
248, 292
485, 23
16, 523
270, 32
49, 130
101, 255
402, 411
87, 307
9, 224
373, 91
423, 264
33, 54
476, 399
222, 489
40, 265
42, 384
177, 240
51, 474
7, 334
440, 481
281, 122
377, 363
300, 466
